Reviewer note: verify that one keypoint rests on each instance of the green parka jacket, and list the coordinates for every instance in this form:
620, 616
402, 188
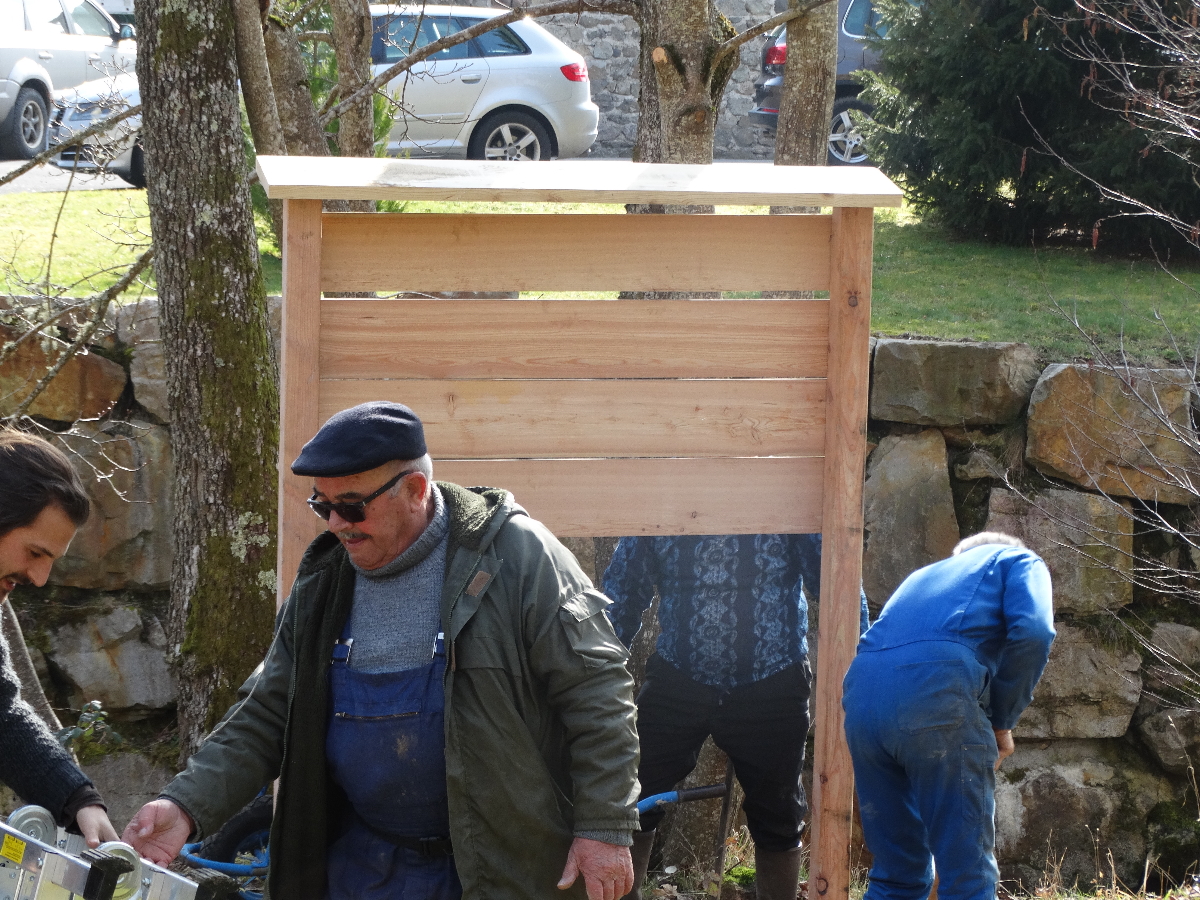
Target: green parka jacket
540, 722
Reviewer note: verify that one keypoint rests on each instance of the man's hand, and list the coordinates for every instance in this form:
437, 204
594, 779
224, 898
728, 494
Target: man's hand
94, 826
1004, 746
158, 831
607, 869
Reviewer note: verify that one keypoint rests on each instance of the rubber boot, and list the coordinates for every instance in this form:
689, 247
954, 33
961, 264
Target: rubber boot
643, 843
776, 874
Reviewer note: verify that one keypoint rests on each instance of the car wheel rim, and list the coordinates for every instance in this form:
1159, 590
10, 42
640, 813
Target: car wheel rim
512, 141
33, 125
845, 140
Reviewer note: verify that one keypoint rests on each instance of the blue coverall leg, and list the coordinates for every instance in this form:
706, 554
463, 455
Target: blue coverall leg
923, 753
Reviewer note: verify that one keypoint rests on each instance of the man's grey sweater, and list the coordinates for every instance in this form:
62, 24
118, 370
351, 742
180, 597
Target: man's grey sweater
396, 615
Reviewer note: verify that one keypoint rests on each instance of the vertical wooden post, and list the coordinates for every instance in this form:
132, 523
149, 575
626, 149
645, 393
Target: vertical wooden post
841, 562
299, 378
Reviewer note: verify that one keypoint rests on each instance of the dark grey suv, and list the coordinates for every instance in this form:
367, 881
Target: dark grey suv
856, 20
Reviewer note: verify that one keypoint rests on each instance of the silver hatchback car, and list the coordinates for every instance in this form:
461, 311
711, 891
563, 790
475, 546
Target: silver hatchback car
48, 45
515, 93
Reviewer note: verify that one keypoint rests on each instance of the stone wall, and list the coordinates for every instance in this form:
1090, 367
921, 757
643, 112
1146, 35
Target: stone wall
964, 436
610, 46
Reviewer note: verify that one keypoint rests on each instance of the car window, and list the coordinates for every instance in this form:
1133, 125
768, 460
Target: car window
89, 20
862, 20
502, 41
395, 36
12, 16
46, 16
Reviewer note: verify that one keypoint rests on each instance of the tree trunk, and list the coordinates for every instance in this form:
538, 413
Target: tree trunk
302, 133
351, 34
221, 383
680, 90
809, 85
806, 101
255, 79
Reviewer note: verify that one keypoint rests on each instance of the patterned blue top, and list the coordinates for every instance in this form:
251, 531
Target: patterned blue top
732, 607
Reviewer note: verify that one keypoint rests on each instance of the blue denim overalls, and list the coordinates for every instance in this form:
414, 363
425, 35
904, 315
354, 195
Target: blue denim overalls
386, 748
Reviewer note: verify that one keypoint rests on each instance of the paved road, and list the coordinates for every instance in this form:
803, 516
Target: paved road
48, 178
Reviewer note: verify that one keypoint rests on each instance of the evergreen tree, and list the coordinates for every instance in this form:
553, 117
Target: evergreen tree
975, 102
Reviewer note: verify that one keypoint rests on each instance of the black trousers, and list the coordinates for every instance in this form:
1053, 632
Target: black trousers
761, 726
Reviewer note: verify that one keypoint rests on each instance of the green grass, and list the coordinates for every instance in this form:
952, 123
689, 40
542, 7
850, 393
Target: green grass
927, 282
94, 235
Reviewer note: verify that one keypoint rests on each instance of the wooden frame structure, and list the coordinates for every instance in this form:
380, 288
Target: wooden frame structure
606, 417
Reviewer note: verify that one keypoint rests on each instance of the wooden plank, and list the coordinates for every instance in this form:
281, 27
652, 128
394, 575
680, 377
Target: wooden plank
613, 497
548, 419
299, 386
393, 252
574, 181
574, 339
841, 562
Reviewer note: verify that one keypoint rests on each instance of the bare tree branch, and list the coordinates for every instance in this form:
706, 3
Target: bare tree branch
78, 138
102, 301
763, 27
303, 11
553, 8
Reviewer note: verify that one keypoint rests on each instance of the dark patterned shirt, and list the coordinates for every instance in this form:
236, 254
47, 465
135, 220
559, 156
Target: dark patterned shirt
732, 607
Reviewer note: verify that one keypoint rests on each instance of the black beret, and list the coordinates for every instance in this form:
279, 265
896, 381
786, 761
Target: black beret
361, 438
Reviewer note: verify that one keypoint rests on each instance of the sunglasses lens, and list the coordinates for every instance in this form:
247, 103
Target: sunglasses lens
351, 512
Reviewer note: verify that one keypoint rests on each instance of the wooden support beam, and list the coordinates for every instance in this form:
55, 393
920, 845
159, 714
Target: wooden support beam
299, 378
574, 338
507, 419
596, 252
615, 497
841, 558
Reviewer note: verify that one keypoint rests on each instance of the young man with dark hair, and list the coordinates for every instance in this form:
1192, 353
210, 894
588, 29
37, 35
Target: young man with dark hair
42, 505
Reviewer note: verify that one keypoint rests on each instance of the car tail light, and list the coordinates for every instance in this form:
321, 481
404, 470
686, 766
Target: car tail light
776, 55
575, 71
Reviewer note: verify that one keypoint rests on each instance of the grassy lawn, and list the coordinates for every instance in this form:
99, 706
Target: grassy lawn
926, 282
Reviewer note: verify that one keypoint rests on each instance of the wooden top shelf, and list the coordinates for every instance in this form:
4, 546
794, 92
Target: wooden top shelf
573, 181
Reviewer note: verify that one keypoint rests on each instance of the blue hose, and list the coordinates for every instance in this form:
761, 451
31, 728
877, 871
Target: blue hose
259, 867
644, 806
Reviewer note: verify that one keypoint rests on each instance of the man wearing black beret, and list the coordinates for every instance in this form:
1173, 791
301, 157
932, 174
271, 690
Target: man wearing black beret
445, 705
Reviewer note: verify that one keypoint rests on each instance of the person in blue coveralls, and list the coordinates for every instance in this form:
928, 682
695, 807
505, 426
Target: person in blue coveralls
445, 705
731, 662
931, 699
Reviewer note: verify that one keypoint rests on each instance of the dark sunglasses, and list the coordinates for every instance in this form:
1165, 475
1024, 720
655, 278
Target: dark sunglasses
351, 512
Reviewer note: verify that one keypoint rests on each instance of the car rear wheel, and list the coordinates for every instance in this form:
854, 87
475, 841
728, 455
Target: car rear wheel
514, 136
846, 147
24, 134
137, 168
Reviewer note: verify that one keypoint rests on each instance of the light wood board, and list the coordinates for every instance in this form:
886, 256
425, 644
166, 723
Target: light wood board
842, 545
574, 181
299, 384
574, 339
394, 252
613, 497
531, 419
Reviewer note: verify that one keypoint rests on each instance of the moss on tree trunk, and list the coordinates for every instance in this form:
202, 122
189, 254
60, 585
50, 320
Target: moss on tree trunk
221, 375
